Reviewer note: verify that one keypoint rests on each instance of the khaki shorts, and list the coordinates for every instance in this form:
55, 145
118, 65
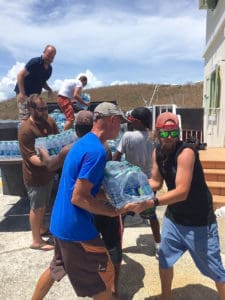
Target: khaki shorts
87, 265
23, 110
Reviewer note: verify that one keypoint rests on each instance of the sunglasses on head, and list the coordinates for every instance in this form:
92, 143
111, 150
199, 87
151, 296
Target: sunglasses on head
41, 109
173, 133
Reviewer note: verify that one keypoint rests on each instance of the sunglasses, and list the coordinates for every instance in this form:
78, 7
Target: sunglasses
41, 109
173, 133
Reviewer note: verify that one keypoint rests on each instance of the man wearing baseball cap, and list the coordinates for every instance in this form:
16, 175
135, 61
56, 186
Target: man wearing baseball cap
189, 221
79, 250
106, 109
138, 146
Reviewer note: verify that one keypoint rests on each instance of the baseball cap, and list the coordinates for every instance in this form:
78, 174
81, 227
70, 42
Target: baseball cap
142, 114
163, 118
84, 117
107, 109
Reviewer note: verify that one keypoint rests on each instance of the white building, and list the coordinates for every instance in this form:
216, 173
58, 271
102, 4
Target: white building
214, 73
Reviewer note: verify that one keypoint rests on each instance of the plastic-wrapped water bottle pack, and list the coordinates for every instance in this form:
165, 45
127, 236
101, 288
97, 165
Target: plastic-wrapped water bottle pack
59, 118
9, 150
86, 98
124, 183
54, 143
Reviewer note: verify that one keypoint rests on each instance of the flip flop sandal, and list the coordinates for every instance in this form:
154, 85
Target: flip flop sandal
43, 246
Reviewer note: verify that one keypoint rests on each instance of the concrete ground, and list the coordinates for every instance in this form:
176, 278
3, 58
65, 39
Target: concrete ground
21, 267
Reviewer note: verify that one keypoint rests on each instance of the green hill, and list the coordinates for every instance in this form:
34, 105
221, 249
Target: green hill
130, 96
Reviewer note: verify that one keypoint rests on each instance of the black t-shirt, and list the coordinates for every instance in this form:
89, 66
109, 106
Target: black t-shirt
197, 209
38, 75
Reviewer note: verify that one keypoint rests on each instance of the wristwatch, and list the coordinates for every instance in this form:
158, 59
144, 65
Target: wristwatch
156, 201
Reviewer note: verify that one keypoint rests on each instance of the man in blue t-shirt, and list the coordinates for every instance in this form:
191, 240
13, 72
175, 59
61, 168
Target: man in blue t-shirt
79, 250
32, 78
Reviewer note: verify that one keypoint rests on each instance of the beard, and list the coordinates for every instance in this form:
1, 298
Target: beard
40, 119
168, 148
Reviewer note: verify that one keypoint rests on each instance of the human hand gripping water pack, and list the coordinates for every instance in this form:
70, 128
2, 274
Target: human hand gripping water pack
124, 183
86, 98
55, 142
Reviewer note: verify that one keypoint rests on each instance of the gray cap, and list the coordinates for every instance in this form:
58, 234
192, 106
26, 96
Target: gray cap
107, 109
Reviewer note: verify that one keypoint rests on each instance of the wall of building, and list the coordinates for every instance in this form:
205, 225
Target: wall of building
214, 127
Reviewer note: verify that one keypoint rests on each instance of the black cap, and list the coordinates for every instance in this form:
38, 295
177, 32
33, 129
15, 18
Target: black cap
144, 115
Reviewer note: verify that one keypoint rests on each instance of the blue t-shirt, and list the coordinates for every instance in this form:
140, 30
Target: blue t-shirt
38, 75
85, 160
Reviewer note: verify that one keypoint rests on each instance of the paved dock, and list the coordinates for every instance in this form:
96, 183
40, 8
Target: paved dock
20, 266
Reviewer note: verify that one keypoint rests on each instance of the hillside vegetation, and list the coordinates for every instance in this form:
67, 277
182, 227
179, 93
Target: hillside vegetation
130, 96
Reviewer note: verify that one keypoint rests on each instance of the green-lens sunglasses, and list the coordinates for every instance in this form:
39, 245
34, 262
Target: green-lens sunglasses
173, 133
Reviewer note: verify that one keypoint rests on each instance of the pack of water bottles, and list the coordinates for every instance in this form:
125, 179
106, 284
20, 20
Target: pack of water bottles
54, 143
9, 150
59, 118
86, 98
124, 183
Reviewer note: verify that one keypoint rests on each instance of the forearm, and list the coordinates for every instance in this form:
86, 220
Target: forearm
95, 206
54, 163
20, 82
172, 196
47, 87
79, 99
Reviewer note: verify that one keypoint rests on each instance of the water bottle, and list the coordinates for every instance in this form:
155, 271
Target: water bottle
7, 150
86, 98
125, 183
41, 142
50, 145
131, 187
13, 149
59, 118
113, 172
2, 150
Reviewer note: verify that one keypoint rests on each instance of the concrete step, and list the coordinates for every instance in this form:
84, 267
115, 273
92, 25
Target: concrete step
216, 187
213, 164
213, 158
214, 174
218, 201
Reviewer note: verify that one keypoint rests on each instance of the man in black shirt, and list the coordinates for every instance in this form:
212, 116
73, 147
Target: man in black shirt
32, 78
189, 222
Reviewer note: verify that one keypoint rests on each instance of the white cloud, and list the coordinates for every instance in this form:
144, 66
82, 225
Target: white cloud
8, 82
122, 35
117, 82
118, 40
93, 82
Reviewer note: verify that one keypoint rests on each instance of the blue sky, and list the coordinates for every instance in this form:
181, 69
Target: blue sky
111, 41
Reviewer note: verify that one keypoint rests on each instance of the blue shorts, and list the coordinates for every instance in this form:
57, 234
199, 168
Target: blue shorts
202, 242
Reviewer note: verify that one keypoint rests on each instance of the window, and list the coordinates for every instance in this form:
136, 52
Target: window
215, 89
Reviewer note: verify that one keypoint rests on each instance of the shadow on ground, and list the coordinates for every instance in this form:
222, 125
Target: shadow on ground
192, 292
131, 282
144, 245
16, 218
